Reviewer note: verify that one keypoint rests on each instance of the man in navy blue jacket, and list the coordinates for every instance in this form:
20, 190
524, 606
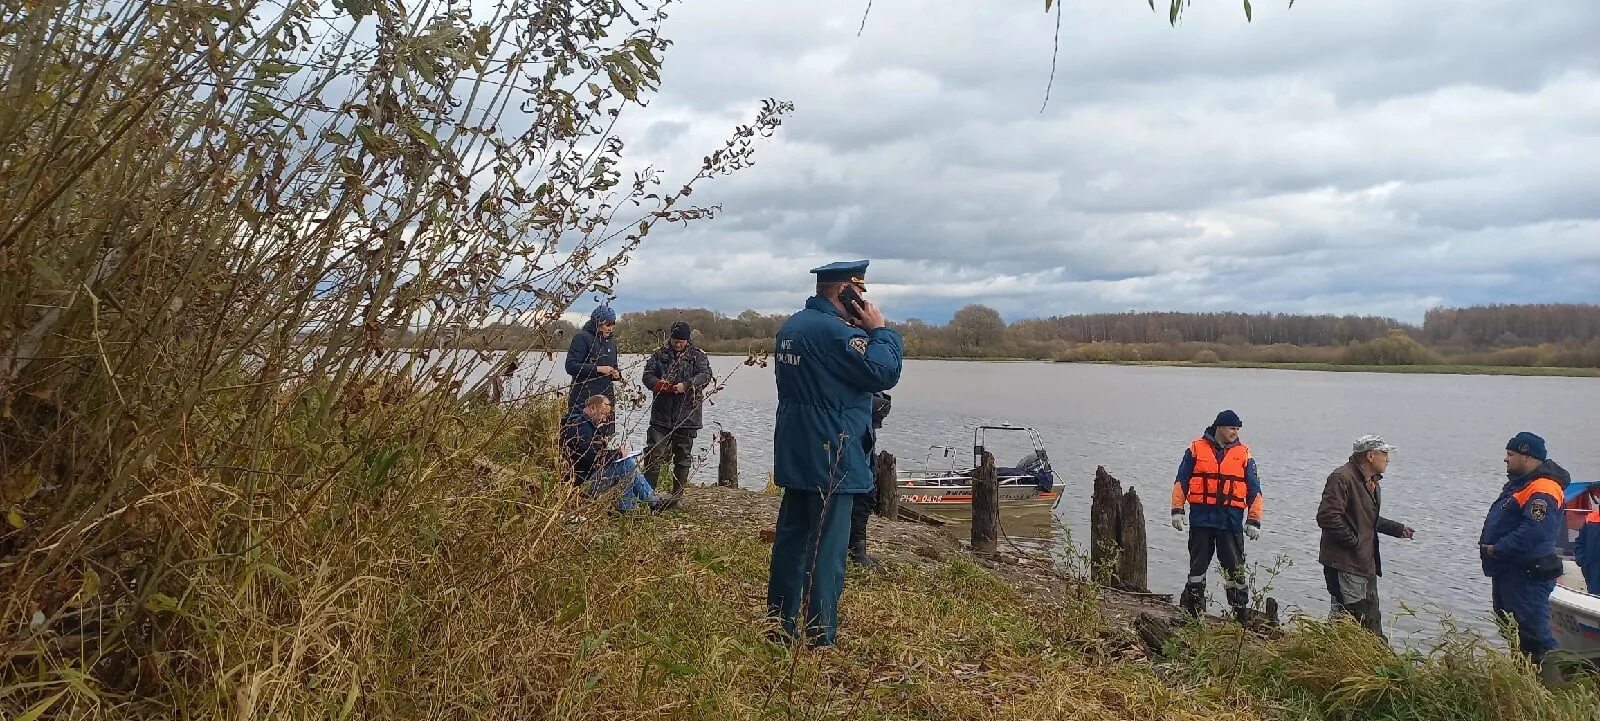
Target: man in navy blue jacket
1518, 545
830, 358
592, 360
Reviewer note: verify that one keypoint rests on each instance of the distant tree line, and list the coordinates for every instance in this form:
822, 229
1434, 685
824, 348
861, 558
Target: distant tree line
1565, 335
1505, 326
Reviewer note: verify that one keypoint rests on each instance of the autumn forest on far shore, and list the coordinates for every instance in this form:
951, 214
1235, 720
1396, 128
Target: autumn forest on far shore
1513, 336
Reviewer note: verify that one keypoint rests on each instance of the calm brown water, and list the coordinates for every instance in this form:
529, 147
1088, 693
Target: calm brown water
1136, 422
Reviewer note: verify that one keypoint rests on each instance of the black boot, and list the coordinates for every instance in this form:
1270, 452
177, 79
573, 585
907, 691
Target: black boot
1193, 599
1239, 601
858, 555
680, 478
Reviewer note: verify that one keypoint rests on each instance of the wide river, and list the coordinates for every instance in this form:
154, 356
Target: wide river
1136, 421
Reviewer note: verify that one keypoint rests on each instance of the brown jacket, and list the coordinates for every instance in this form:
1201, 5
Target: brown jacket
1348, 516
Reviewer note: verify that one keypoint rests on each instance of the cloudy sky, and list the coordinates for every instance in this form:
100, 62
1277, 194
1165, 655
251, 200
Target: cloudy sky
1360, 156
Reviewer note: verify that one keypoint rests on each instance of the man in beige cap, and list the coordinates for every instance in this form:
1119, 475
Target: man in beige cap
1350, 521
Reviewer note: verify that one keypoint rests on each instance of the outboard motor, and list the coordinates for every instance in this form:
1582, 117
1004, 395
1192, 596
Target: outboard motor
1034, 465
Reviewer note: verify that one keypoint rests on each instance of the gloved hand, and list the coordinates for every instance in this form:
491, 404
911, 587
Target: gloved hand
663, 387
1252, 530
1177, 520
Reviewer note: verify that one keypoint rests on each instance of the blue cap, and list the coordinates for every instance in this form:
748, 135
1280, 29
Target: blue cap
844, 271
1527, 444
603, 314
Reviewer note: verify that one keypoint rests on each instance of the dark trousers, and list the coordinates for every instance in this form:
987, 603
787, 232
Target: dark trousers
808, 554
661, 444
1228, 547
1528, 602
859, 511
1362, 605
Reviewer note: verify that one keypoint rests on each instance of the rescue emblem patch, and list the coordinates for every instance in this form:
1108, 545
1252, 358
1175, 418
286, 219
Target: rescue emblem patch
859, 343
1538, 509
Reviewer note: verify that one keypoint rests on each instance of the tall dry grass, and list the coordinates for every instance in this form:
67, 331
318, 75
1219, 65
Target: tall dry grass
1337, 670
227, 491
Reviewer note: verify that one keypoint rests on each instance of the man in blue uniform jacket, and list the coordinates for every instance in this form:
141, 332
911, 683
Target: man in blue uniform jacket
1518, 545
830, 358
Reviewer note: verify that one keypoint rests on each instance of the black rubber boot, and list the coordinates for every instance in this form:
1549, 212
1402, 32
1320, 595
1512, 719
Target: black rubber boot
858, 555
1239, 599
680, 478
1193, 599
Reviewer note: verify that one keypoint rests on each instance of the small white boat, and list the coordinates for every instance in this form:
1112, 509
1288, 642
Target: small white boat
1574, 612
1031, 481
1575, 615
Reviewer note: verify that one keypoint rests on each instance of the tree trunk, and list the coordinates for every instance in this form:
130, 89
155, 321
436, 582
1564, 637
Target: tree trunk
985, 506
1133, 560
888, 487
1105, 511
727, 460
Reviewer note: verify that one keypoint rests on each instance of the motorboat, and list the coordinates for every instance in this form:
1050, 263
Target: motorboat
1030, 481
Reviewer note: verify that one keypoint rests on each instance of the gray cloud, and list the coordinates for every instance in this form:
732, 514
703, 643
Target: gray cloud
1364, 156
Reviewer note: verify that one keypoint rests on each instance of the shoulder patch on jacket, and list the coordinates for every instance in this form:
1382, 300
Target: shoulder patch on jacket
1538, 509
859, 343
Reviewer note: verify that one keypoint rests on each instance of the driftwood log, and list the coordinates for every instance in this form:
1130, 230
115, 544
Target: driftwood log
985, 506
906, 514
1154, 629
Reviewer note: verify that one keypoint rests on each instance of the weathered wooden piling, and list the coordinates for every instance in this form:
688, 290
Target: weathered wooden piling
888, 486
1105, 511
1118, 553
985, 506
727, 460
1133, 559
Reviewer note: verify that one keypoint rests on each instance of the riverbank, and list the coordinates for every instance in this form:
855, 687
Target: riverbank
665, 617
1441, 369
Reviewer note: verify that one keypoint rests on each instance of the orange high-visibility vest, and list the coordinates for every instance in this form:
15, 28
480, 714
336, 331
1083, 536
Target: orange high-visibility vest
1218, 484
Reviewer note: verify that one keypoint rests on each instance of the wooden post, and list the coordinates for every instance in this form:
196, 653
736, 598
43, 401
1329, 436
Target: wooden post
888, 486
1133, 560
727, 460
1105, 510
985, 506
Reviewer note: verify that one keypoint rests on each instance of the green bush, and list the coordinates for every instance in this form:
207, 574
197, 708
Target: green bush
1397, 348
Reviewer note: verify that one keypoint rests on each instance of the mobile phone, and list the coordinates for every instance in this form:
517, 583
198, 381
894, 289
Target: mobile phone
850, 297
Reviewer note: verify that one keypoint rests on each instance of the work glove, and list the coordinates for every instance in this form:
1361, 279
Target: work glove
663, 387
1177, 519
1252, 530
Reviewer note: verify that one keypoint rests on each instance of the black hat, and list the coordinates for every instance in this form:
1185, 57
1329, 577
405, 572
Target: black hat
1227, 419
844, 271
681, 331
1528, 444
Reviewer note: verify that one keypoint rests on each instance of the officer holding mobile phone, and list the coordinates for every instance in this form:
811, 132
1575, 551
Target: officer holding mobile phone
830, 358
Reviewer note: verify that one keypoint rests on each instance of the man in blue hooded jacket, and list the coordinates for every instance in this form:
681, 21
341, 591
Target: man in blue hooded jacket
592, 360
1518, 544
829, 360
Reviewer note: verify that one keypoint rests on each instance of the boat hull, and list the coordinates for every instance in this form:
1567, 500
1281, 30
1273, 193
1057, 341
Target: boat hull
954, 494
1575, 615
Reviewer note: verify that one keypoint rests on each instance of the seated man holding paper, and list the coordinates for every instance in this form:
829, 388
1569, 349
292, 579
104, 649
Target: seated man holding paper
597, 467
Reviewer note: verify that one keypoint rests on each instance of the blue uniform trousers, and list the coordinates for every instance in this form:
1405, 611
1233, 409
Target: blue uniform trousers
808, 554
1528, 602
